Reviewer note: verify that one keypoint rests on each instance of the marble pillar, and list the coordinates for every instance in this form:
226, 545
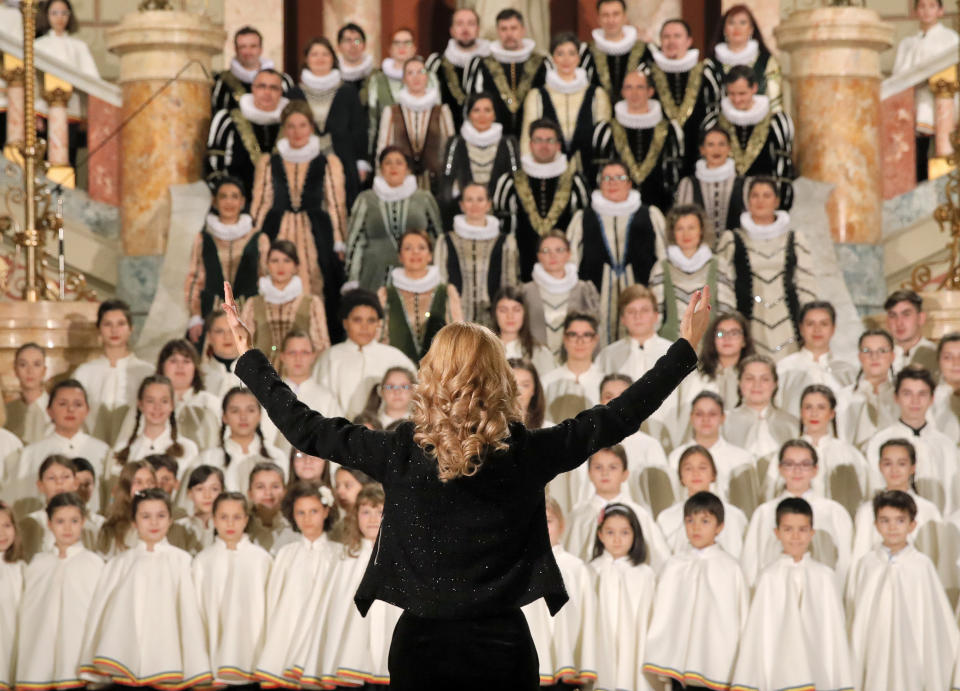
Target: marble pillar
835, 80
13, 75
363, 13
103, 166
164, 144
898, 144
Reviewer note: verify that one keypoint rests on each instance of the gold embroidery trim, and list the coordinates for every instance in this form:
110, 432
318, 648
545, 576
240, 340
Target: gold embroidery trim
236, 86
682, 112
453, 82
639, 172
513, 99
603, 69
544, 224
744, 158
245, 130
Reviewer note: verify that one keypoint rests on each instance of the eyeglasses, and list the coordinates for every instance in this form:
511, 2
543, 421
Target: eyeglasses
730, 333
396, 387
875, 353
614, 178
803, 465
552, 250
580, 337
543, 140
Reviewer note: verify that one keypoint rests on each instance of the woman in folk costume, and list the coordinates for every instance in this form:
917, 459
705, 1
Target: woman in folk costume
625, 588
556, 291
475, 257
715, 186
567, 643
227, 249
119, 533
58, 589
382, 214
774, 270
11, 589
196, 531
295, 587
418, 124
690, 263
285, 303
416, 303
144, 627
727, 343
337, 112
26, 415
530, 395
569, 99
230, 577
479, 154
738, 41
299, 196
511, 324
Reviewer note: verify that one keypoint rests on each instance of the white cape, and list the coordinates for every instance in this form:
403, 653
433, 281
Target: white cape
11, 588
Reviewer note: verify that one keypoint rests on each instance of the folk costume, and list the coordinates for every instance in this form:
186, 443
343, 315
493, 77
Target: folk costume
766, 68
233, 83
549, 300
239, 137
509, 75
608, 62
274, 312
718, 191
421, 126
450, 68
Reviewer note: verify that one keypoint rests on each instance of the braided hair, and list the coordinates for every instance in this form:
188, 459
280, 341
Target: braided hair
238, 391
175, 449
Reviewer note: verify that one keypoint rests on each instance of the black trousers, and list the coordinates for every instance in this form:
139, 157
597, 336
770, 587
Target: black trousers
493, 652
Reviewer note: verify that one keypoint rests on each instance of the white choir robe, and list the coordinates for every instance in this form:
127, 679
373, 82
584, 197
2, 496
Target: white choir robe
624, 602
567, 643
795, 636
143, 447
236, 476
831, 454
582, 529
231, 589
13, 488
299, 570
198, 418
902, 631
351, 371
699, 611
945, 411
866, 536
144, 626
760, 433
80, 444
36, 422
218, 379
730, 538
568, 394
11, 591
318, 397
541, 357
799, 370
937, 461
111, 391
56, 602
191, 535
728, 459
761, 547
271, 537
861, 411
37, 538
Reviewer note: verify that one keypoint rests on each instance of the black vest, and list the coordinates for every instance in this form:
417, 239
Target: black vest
640, 252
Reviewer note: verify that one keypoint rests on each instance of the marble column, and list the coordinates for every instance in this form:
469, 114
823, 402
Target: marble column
13, 75
163, 144
835, 77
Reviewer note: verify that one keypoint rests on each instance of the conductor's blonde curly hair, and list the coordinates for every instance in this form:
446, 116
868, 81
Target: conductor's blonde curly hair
465, 399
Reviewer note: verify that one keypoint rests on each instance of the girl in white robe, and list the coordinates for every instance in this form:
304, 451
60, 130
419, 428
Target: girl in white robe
57, 475
58, 589
392, 399
300, 570
566, 643
11, 589
625, 590
267, 522
196, 531
26, 415
144, 627
230, 577
118, 533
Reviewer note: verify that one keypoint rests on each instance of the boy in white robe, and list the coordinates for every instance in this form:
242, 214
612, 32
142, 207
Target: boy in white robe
298, 357
57, 475
834, 533
608, 473
903, 633
700, 606
796, 634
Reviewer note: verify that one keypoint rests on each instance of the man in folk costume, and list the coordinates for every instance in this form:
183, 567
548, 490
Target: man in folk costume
544, 194
355, 63
761, 139
450, 66
616, 241
650, 145
509, 72
684, 87
615, 50
231, 84
241, 134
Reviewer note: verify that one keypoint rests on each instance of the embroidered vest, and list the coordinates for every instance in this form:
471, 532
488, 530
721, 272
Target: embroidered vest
428, 159
244, 283
401, 334
671, 318
263, 333
639, 253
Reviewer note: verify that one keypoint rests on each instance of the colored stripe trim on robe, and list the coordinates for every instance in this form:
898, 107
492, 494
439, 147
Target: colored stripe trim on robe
685, 677
50, 685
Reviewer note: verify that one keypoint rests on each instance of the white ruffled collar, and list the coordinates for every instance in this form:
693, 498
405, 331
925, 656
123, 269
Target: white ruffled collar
639, 121
578, 83
354, 73
401, 281
744, 118
461, 57
247, 76
689, 264
261, 117
488, 231
747, 56
765, 231
304, 154
326, 82
544, 171
604, 207
723, 172
557, 286
620, 47
676, 65
231, 231
392, 69
386, 193
430, 98
473, 136
512, 57
275, 296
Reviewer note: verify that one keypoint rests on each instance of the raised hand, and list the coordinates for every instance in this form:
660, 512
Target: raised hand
696, 318
241, 334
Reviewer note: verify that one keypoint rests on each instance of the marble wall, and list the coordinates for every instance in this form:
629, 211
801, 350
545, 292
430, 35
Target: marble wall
898, 144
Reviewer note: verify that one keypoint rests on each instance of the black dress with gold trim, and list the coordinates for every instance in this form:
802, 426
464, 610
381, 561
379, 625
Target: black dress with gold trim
509, 84
235, 144
608, 70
